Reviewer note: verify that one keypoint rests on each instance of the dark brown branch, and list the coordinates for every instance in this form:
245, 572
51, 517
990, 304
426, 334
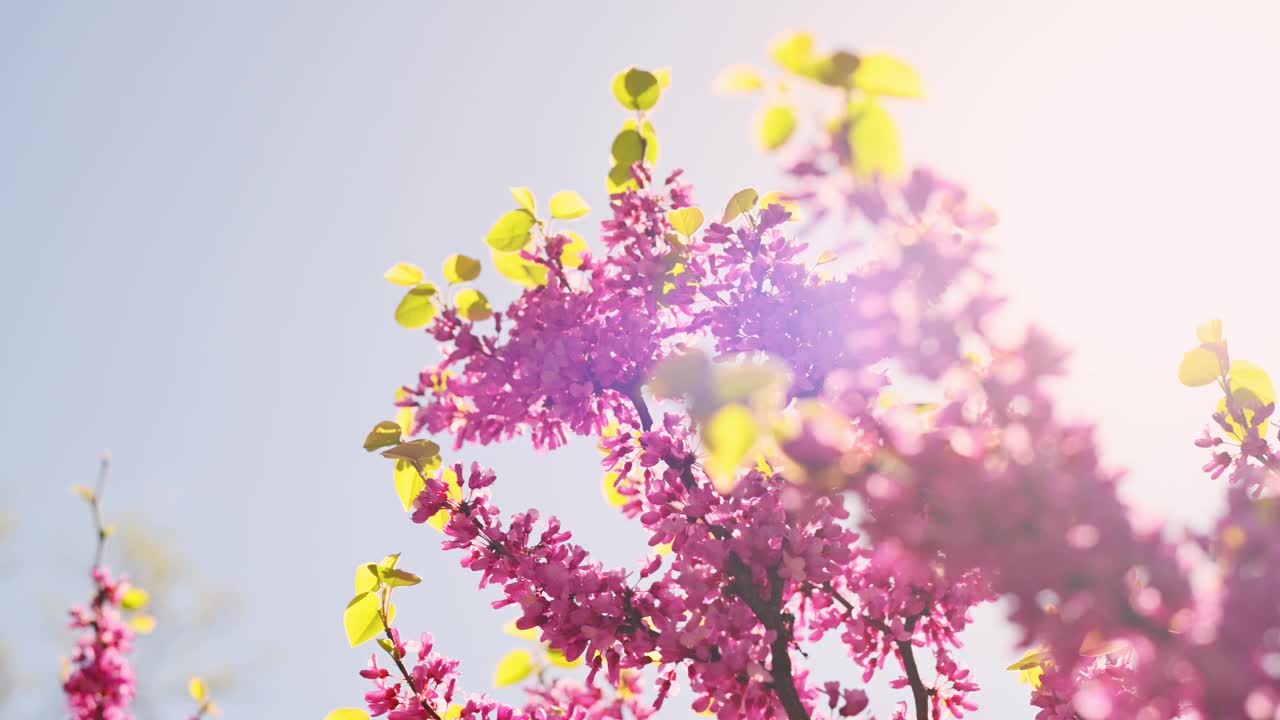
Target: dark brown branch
770, 614
918, 691
637, 399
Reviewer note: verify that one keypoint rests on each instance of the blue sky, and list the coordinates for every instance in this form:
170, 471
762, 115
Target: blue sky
197, 201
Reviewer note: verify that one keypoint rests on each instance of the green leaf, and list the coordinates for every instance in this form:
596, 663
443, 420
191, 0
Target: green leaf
620, 179
650, 136
135, 598
776, 125
389, 561
628, 146
347, 714
874, 140
558, 659
361, 619
461, 268
418, 452
398, 578
637, 89
367, 578
741, 202
525, 199
729, 435
384, 434
418, 308
454, 485
473, 305
836, 69
887, 75
737, 79
568, 205
794, 52
686, 221
406, 274
514, 267
664, 77
142, 624
511, 231
512, 668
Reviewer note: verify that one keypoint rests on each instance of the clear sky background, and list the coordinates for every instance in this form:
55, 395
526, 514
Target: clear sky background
197, 201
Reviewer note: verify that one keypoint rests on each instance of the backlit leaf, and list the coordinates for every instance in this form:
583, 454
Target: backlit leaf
794, 52
611, 493
418, 308
142, 624
874, 140
418, 452
664, 77
409, 483
384, 434
514, 667
511, 232
514, 267
557, 658
198, 689
686, 221
454, 484
473, 305
460, 268
1209, 332
525, 199
511, 629
395, 577
367, 578
571, 253
777, 123
628, 147
826, 257
85, 493
361, 619
1251, 389
882, 74
836, 69
135, 599
620, 179
406, 274
779, 198
347, 714
637, 89
568, 205
737, 79
741, 202
1199, 367
729, 435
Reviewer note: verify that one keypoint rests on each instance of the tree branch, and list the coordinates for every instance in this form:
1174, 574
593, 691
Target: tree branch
918, 691
770, 614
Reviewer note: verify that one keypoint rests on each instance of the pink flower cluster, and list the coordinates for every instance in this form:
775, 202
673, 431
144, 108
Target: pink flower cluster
882, 526
101, 683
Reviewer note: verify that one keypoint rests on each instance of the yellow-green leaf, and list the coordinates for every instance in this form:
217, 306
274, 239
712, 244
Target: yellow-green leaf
454, 712
620, 179
882, 74
514, 267
558, 659
826, 257
794, 52
347, 714
198, 689
395, 577
686, 221
525, 199
741, 202
389, 561
460, 268
664, 77
409, 483
1251, 388
637, 89
473, 305
142, 624
737, 79
512, 668
778, 198
361, 619
874, 140
454, 484
135, 599
776, 125
729, 435
511, 629
384, 434
367, 578
836, 69
568, 205
418, 308
85, 493
1199, 367
420, 452
1210, 332
628, 146
611, 493
511, 232
406, 274
571, 253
